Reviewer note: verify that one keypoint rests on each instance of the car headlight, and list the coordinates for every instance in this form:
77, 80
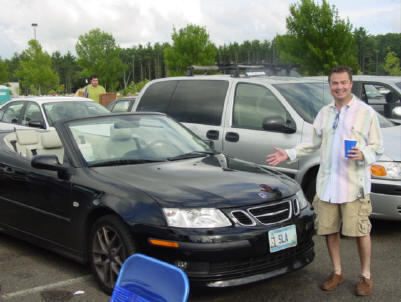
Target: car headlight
196, 218
386, 169
303, 202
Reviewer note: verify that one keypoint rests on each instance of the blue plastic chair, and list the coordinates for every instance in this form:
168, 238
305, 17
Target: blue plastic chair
146, 279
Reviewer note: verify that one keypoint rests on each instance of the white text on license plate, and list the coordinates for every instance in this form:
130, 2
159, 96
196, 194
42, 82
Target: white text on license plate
282, 238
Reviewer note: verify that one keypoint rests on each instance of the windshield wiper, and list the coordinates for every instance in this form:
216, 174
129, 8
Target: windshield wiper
192, 154
125, 162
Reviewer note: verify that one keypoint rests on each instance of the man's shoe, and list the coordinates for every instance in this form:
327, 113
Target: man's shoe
332, 282
365, 286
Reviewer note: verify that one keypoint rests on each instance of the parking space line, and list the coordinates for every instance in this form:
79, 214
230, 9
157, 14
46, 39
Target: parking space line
44, 287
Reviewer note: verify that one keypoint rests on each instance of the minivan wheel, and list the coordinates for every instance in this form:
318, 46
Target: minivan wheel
110, 243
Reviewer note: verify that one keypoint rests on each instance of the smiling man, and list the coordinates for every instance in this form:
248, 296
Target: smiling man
342, 202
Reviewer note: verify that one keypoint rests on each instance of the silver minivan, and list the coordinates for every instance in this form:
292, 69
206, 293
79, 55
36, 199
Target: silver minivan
247, 116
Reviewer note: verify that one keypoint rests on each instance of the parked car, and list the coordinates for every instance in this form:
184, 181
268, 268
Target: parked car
104, 187
122, 104
44, 112
247, 116
383, 93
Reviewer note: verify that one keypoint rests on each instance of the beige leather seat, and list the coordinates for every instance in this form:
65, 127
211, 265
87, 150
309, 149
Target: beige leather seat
27, 140
51, 144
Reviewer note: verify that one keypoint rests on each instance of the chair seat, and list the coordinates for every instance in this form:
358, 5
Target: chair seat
146, 279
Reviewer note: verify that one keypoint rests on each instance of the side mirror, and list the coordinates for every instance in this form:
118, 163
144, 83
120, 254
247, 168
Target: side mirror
277, 124
210, 143
47, 162
396, 111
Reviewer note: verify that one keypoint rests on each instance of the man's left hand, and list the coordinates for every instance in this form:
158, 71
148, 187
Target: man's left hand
355, 154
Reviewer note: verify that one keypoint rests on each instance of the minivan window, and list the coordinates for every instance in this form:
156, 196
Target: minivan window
198, 101
254, 103
157, 96
306, 98
187, 101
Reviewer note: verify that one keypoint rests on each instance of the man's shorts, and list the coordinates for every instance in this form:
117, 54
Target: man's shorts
350, 218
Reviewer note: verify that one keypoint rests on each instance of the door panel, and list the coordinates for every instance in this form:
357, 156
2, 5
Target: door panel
252, 104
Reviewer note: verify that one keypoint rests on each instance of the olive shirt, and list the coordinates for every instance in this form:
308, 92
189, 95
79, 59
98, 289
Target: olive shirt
94, 92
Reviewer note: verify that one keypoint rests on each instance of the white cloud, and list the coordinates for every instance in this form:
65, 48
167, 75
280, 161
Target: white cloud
134, 22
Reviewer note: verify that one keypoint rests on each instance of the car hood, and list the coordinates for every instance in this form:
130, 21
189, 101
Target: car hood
212, 181
392, 143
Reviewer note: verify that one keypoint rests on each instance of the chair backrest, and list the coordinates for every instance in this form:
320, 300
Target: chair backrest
26, 140
51, 144
143, 278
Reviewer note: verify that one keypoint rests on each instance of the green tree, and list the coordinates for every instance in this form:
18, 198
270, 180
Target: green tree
191, 46
99, 54
3, 72
317, 38
392, 64
34, 70
12, 65
68, 71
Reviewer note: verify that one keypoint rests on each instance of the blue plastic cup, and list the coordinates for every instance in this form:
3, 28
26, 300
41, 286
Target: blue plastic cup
348, 144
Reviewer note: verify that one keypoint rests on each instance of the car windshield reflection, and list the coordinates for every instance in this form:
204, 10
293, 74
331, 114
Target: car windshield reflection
133, 139
59, 111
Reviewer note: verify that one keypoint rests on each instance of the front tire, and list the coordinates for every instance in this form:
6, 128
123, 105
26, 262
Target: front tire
110, 243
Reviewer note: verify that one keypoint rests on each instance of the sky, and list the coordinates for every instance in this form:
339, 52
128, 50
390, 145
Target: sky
134, 22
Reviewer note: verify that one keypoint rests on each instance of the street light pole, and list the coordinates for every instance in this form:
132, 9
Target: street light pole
34, 25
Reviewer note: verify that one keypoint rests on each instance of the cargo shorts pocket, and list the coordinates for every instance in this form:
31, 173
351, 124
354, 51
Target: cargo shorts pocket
365, 208
364, 226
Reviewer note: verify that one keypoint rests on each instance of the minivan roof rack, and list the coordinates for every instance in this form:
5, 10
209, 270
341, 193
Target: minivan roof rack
235, 70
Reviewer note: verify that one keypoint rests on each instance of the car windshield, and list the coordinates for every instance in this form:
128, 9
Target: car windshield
68, 110
308, 98
134, 139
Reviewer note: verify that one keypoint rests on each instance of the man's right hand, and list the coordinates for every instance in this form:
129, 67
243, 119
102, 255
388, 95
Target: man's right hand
279, 156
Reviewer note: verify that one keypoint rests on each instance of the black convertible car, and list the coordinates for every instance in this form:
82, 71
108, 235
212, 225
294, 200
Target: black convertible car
101, 188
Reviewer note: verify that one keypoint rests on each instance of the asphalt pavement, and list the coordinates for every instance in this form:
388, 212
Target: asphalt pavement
31, 274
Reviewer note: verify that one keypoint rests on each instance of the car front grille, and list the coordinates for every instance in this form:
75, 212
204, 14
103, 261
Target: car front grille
267, 214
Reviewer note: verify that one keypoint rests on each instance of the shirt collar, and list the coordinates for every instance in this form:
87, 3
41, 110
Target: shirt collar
351, 103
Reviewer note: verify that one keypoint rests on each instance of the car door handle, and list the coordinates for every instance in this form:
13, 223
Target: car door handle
212, 134
232, 137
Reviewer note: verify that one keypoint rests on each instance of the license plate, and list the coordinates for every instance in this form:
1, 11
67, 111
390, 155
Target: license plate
282, 238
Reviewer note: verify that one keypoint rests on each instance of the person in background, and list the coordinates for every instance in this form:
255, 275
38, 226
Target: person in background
342, 202
93, 90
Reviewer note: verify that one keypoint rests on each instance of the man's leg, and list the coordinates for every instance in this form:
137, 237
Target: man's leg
333, 242
365, 285
328, 222
364, 250
359, 226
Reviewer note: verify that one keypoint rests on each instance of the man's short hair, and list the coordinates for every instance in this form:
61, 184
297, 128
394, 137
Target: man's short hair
93, 76
339, 69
